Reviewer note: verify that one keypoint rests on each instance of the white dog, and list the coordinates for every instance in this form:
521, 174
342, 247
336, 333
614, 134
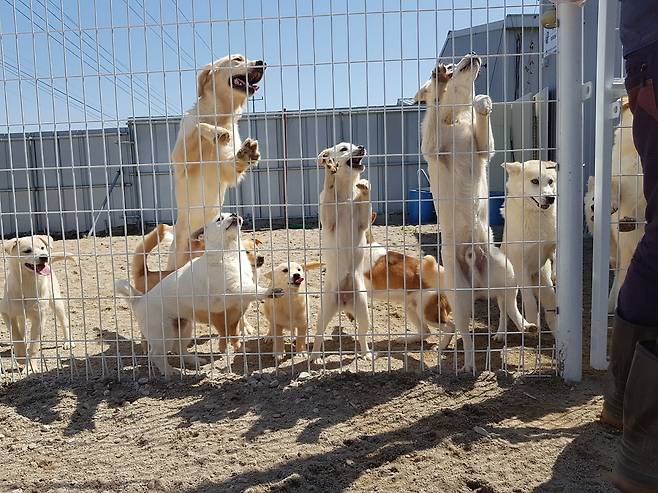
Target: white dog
209, 155
30, 288
628, 204
347, 197
215, 288
457, 143
530, 234
289, 311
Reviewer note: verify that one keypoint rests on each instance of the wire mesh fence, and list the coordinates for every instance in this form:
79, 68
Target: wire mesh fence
128, 126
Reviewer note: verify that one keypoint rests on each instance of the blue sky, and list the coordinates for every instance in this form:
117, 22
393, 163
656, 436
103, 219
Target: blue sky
95, 63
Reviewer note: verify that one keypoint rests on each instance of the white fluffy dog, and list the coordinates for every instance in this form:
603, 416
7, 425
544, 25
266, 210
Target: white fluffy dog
216, 287
628, 204
346, 196
530, 234
30, 288
457, 143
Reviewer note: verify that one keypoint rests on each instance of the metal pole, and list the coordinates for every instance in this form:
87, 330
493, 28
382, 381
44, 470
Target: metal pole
605, 57
570, 190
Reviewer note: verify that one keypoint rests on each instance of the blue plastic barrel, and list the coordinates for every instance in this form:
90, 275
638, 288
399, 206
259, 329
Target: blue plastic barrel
496, 201
420, 207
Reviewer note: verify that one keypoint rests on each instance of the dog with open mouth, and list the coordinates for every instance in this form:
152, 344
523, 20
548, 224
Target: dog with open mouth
30, 288
457, 143
530, 234
216, 288
209, 155
346, 196
290, 311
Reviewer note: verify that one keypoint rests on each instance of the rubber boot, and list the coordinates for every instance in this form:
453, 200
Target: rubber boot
625, 336
637, 463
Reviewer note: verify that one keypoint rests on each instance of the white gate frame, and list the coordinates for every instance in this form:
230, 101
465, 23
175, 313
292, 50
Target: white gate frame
608, 91
570, 95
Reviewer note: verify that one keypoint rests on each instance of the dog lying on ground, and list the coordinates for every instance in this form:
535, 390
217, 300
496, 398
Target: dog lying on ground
215, 288
30, 288
290, 311
529, 238
412, 282
209, 155
457, 143
347, 196
628, 203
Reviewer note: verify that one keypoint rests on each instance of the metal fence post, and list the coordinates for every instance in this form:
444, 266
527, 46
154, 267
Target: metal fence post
605, 56
570, 190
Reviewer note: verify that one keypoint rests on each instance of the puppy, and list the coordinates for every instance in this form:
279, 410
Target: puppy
209, 155
530, 234
31, 286
250, 245
628, 203
413, 283
457, 143
289, 311
215, 288
347, 196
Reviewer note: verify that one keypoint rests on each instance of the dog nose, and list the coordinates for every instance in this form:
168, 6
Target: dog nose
296, 276
233, 215
43, 258
260, 63
360, 148
549, 200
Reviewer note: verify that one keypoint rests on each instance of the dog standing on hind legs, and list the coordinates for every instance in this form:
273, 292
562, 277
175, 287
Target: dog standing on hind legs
457, 143
347, 196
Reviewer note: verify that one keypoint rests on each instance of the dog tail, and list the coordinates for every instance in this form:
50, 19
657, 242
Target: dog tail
139, 266
124, 289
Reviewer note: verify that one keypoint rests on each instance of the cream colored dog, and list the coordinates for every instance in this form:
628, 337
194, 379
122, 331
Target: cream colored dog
457, 143
215, 288
628, 204
209, 155
346, 196
290, 311
30, 288
530, 235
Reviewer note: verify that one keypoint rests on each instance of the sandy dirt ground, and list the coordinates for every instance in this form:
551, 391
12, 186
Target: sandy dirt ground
94, 419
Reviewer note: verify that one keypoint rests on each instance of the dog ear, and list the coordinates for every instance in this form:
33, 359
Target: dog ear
313, 265
421, 95
198, 235
46, 240
512, 168
9, 245
202, 79
373, 216
258, 242
625, 103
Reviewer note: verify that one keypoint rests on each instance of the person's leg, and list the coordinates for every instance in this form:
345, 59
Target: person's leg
637, 315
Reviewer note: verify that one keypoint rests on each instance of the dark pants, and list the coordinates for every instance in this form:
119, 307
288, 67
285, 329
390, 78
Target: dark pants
638, 297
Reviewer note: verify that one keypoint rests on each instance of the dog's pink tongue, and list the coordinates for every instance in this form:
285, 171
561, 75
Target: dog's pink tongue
43, 270
299, 280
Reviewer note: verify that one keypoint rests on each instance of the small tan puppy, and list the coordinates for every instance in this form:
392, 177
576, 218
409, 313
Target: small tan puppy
288, 312
30, 288
209, 156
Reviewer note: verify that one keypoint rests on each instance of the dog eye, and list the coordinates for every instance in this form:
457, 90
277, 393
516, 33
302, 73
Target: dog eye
29, 250
534, 181
550, 182
343, 149
285, 271
238, 59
